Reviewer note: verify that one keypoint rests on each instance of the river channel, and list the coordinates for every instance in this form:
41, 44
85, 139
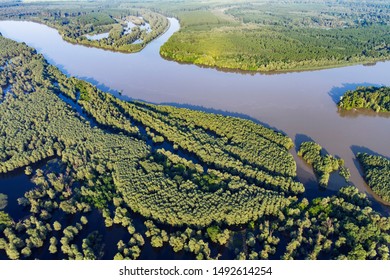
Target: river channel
300, 104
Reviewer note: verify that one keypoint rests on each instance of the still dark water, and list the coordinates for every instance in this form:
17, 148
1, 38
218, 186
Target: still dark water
301, 104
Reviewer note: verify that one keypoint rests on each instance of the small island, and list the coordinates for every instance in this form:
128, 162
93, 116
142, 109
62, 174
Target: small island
376, 173
374, 98
322, 163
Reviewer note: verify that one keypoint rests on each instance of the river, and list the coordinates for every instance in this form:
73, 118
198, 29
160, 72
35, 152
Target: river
301, 104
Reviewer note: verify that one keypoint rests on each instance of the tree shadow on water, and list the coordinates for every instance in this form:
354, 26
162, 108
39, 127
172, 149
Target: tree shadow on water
336, 92
360, 149
377, 203
307, 176
300, 138
97, 84
103, 87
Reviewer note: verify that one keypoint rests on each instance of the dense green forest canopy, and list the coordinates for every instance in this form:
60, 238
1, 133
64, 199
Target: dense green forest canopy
197, 181
275, 36
377, 173
338, 227
374, 98
244, 169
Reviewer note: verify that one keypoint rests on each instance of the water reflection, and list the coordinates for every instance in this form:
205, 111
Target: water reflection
355, 113
336, 92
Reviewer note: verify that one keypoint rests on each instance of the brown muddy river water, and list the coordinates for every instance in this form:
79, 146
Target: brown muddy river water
301, 104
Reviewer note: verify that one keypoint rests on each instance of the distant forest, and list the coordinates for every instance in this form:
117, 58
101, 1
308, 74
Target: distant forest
124, 27
264, 35
273, 36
